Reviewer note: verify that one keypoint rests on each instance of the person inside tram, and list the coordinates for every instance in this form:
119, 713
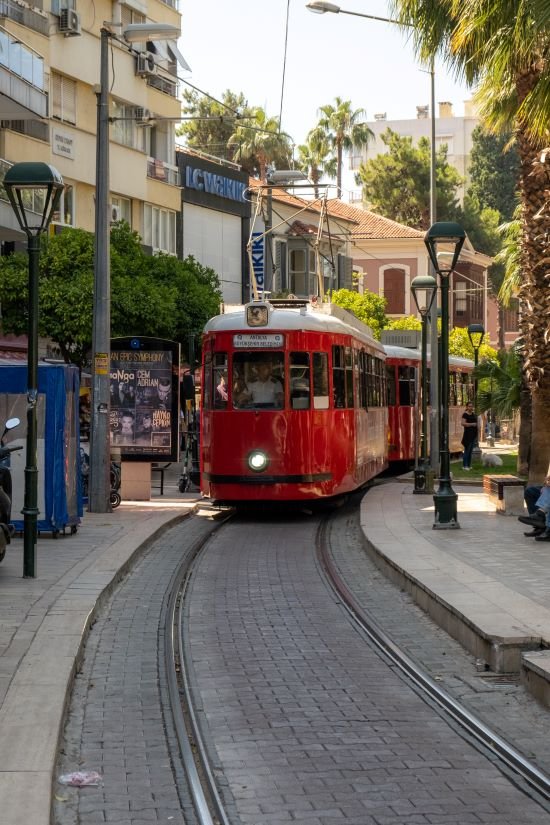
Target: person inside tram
265, 390
221, 391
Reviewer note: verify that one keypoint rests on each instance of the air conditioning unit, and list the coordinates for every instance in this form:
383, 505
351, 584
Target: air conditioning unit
145, 64
114, 213
69, 22
143, 116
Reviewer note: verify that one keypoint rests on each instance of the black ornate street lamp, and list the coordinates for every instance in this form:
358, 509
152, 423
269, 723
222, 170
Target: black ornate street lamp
34, 190
444, 241
476, 333
424, 289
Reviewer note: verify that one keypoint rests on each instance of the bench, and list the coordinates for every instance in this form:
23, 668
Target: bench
506, 493
160, 468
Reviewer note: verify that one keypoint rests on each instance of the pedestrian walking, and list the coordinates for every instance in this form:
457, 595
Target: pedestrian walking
469, 436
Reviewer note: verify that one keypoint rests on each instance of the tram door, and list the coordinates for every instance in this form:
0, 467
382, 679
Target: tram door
321, 437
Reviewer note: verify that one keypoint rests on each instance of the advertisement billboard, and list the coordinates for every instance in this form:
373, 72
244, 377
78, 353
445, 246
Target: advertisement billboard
144, 384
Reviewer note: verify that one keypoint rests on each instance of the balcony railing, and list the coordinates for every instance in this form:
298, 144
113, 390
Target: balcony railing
169, 87
25, 15
160, 170
32, 128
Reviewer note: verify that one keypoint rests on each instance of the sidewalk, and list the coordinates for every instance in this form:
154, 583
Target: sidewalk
486, 584
43, 627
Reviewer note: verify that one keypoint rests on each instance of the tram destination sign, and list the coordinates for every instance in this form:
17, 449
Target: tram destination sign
258, 340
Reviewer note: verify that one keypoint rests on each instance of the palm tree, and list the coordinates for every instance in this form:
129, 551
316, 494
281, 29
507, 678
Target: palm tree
314, 158
343, 128
260, 139
501, 47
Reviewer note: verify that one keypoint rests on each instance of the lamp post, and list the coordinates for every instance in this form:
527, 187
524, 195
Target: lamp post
424, 289
476, 333
99, 484
444, 240
34, 190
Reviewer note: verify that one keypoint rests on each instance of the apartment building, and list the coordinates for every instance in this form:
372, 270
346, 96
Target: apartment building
453, 131
49, 80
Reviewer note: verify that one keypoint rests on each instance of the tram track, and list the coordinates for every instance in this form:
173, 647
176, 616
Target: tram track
525, 775
206, 800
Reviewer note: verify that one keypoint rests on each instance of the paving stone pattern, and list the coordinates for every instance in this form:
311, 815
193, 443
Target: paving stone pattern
115, 724
500, 701
309, 724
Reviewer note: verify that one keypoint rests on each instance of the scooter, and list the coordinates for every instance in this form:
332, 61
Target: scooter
115, 478
6, 528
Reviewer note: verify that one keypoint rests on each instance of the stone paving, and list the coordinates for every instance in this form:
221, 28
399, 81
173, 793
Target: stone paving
309, 724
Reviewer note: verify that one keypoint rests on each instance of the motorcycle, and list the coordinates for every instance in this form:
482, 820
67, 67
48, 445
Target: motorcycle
6, 528
114, 475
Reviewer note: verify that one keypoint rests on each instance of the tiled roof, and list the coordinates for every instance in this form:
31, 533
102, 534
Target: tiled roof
365, 225
371, 225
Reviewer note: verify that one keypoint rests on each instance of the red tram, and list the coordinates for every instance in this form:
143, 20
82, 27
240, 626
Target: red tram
403, 367
293, 403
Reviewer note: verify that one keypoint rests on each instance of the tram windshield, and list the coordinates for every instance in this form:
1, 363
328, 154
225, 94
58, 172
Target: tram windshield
258, 380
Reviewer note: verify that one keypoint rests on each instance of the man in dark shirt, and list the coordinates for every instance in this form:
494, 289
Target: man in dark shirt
469, 437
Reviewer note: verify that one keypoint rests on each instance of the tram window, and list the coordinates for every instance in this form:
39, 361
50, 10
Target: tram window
299, 380
207, 397
258, 380
220, 384
390, 386
338, 377
406, 378
349, 378
320, 381
363, 388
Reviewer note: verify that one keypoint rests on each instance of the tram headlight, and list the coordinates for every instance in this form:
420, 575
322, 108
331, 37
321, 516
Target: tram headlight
258, 461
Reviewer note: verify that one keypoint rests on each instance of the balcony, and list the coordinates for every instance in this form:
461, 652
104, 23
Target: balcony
24, 15
163, 171
22, 81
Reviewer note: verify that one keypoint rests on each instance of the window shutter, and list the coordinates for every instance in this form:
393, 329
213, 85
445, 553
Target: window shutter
280, 265
56, 95
345, 272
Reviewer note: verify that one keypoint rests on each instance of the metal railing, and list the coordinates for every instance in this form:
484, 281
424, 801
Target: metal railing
161, 170
25, 15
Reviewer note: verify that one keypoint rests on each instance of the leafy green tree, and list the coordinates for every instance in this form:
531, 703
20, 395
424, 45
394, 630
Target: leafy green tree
258, 142
211, 123
344, 129
459, 345
499, 387
158, 296
494, 172
368, 307
397, 184
407, 322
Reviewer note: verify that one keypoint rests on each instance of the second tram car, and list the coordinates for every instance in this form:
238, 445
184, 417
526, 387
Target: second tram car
293, 403
403, 368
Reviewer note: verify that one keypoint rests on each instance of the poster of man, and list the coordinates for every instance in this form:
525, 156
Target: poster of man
141, 381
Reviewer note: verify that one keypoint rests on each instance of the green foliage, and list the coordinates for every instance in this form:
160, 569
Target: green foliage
344, 128
212, 123
397, 184
408, 322
368, 307
509, 258
158, 296
499, 386
257, 143
459, 345
494, 172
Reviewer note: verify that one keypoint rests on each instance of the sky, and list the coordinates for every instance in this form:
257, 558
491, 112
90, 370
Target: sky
240, 44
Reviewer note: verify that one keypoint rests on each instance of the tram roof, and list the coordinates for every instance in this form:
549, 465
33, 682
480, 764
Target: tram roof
414, 355
303, 315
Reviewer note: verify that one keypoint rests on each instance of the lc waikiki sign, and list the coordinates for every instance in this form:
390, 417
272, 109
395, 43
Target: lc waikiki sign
258, 261
213, 185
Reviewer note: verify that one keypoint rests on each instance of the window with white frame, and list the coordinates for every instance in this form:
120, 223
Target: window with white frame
64, 214
129, 16
63, 98
159, 228
124, 129
461, 298
121, 209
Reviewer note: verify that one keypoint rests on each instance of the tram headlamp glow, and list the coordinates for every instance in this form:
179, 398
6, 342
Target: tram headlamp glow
257, 461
